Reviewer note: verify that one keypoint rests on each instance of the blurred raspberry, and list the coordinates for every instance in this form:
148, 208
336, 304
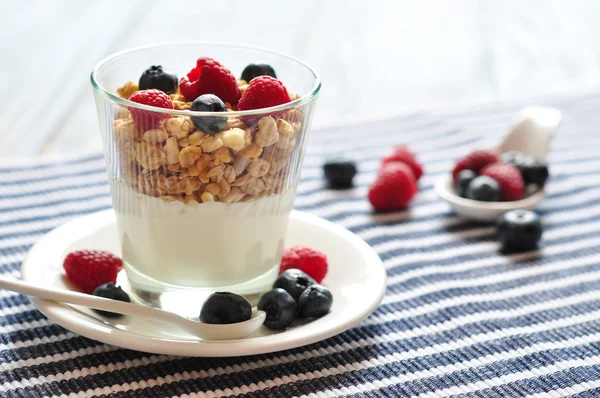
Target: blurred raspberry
403, 154
509, 178
394, 187
475, 161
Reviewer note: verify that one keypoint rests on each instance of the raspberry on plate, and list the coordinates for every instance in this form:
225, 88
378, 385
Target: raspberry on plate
509, 178
149, 119
310, 261
475, 161
210, 77
88, 269
394, 187
264, 92
403, 154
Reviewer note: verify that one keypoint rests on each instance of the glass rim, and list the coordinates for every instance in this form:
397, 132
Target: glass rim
312, 93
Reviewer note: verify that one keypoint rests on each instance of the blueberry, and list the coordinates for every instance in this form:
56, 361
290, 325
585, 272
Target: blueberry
209, 103
160, 79
339, 173
534, 171
513, 158
519, 230
315, 302
463, 179
110, 291
258, 69
280, 307
484, 188
222, 308
294, 282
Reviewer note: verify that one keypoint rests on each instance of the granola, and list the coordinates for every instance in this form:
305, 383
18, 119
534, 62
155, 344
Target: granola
175, 161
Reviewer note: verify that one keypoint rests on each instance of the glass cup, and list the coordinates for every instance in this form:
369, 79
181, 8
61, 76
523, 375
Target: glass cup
202, 199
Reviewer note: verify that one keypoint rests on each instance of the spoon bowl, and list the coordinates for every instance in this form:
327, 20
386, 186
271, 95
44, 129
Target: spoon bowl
531, 134
477, 210
232, 331
206, 331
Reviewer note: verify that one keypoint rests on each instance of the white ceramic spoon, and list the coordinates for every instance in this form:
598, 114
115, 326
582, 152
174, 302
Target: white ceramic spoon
531, 134
206, 331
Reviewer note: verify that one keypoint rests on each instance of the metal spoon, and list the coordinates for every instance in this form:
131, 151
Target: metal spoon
203, 330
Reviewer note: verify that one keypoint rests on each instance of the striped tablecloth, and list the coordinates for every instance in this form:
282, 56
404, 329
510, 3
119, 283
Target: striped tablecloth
458, 319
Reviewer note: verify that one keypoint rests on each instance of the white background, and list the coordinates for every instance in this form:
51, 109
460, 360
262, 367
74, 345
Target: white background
374, 57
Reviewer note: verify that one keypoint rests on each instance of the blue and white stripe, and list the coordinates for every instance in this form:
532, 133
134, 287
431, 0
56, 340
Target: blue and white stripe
458, 318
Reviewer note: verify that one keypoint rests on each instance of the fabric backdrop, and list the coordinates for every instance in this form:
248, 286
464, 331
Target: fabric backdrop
458, 318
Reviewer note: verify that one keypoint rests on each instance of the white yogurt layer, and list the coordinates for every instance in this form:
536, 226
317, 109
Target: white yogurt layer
205, 245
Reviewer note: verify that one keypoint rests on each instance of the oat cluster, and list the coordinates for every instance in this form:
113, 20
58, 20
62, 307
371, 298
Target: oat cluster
176, 161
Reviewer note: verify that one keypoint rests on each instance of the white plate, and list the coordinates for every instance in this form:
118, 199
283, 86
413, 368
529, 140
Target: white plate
356, 278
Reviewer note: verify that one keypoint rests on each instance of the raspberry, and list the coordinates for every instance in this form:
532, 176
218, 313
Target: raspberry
88, 269
264, 92
394, 187
403, 154
476, 160
210, 77
509, 178
148, 119
310, 261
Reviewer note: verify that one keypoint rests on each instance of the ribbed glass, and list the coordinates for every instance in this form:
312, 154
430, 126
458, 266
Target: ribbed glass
197, 208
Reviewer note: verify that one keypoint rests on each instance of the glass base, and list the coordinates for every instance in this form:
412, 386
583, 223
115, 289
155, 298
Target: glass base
188, 301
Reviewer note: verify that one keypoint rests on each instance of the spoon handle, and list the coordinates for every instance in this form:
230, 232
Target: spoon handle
87, 300
533, 131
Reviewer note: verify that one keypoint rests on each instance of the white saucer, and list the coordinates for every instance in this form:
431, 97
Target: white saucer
356, 279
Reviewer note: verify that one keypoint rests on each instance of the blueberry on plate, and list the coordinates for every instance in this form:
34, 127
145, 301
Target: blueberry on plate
258, 69
315, 302
535, 171
280, 307
519, 230
463, 179
484, 188
223, 308
209, 103
160, 79
339, 173
110, 291
294, 282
